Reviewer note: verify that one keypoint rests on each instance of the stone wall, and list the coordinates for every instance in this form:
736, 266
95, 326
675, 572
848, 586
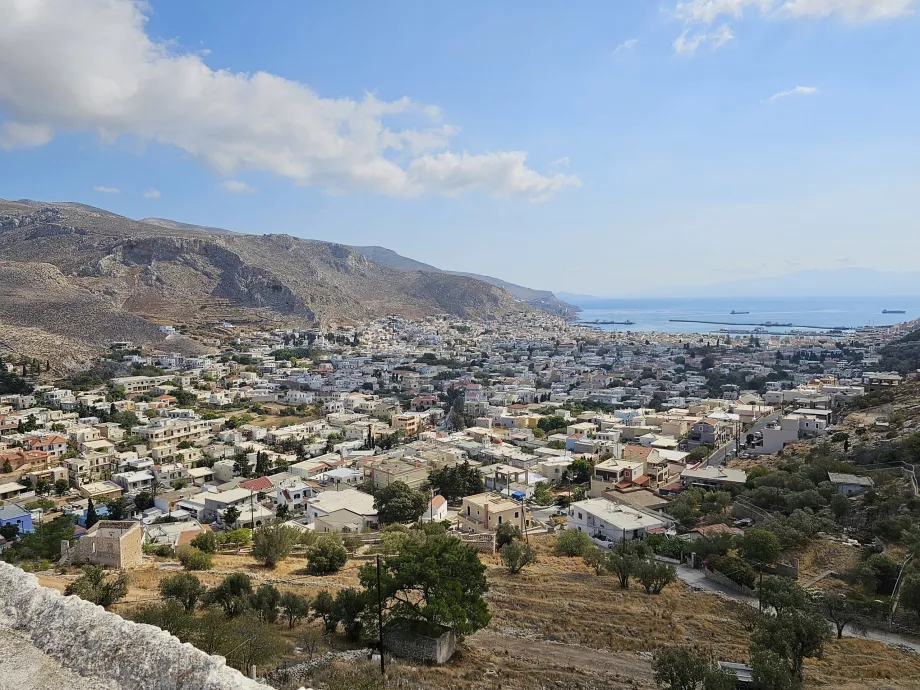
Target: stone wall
93, 643
402, 639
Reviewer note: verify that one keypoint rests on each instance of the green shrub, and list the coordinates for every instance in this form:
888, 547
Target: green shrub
206, 541
326, 556
572, 543
193, 559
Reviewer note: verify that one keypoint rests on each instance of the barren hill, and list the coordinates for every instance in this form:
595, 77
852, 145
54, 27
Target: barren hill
539, 299
136, 273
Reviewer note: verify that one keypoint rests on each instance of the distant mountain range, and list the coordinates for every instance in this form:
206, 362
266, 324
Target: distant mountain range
74, 277
842, 282
541, 299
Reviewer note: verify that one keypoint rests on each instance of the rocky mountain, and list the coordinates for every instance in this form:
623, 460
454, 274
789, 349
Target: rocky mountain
540, 299
89, 276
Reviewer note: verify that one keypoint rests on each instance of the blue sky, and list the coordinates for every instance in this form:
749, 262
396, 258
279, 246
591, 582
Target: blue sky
594, 147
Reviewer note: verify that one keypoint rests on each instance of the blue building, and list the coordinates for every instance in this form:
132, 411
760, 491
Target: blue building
14, 515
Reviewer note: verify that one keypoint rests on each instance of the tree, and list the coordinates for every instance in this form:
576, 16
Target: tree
262, 464
760, 546
324, 607
572, 543
91, 517
517, 555
682, 668
61, 487
143, 501
44, 543
581, 470
542, 496
272, 543
349, 605
265, 602
206, 541
783, 594
654, 575
193, 559
506, 533
326, 556
435, 580
398, 502
9, 531
231, 515
94, 586
184, 588
792, 636
294, 607
840, 506
232, 594
7, 467
119, 508
842, 611
596, 558
282, 511
622, 562
910, 593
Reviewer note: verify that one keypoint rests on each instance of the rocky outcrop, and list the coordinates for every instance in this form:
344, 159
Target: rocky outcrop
88, 641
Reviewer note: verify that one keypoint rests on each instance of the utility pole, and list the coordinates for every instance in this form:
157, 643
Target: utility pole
383, 671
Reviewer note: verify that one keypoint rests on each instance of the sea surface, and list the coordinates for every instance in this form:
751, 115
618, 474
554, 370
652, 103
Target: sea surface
825, 312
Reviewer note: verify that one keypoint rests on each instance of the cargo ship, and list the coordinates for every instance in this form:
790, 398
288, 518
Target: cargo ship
740, 312
894, 311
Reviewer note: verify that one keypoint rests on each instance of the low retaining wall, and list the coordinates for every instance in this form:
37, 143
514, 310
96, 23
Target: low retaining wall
726, 581
92, 642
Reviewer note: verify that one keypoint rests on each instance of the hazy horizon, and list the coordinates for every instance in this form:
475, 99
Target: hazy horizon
681, 143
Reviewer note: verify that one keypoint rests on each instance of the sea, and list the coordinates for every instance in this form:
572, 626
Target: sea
823, 312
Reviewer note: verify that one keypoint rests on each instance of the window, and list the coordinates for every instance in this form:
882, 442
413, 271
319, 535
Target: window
500, 519
579, 516
516, 514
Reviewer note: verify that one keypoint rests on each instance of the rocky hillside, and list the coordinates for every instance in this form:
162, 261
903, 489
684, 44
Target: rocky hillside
87, 275
539, 299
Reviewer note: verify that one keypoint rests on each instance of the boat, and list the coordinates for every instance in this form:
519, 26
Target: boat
894, 311
598, 322
740, 312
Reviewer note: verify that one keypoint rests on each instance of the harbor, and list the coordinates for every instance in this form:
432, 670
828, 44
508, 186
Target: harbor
765, 324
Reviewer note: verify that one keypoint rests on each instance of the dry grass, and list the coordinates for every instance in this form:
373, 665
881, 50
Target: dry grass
557, 624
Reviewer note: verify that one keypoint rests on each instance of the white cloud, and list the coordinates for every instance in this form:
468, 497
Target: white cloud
152, 193
99, 71
236, 187
707, 11
688, 43
14, 135
797, 91
626, 46
106, 190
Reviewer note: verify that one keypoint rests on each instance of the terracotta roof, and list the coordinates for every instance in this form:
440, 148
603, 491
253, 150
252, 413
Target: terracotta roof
257, 484
438, 501
641, 479
188, 535
636, 452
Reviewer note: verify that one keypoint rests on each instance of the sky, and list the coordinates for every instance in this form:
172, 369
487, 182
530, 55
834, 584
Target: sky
601, 147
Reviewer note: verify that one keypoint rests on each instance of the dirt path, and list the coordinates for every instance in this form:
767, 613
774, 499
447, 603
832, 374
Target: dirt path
605, 668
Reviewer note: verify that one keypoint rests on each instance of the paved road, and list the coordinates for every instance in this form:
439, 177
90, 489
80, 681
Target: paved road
696, 580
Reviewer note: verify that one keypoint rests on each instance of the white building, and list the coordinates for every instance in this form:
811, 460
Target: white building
607, 522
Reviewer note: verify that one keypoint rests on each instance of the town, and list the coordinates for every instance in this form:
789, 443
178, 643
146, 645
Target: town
516, 433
